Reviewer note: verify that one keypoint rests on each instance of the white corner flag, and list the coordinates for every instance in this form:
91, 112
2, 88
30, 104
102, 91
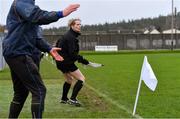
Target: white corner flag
147, 75
149, 78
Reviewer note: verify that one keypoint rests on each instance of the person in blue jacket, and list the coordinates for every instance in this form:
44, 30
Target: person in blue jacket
37, 54
23, 22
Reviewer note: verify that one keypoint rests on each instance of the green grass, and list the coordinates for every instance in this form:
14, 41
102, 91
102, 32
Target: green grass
109, 88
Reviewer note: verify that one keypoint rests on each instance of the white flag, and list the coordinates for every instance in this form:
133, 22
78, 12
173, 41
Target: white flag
147, 75
95, 65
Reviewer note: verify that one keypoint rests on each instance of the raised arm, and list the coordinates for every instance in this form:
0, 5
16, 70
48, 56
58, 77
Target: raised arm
29, 12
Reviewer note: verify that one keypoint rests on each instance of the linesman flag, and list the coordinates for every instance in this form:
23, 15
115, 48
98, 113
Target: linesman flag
149, 78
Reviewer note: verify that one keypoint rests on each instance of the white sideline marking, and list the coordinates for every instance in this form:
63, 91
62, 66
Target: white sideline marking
112, 101
108, 99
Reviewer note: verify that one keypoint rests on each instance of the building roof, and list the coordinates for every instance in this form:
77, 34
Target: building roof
169, 31
154, 31
146, 31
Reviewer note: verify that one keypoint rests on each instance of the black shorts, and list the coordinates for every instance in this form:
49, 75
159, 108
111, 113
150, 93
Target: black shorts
66, 68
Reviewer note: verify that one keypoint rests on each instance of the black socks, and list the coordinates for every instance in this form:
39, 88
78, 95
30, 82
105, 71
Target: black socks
66, 88
76, 89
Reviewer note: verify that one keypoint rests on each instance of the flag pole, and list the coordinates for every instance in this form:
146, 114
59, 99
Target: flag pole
137, 95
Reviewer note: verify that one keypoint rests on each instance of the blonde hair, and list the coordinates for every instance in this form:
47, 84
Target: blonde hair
72, 21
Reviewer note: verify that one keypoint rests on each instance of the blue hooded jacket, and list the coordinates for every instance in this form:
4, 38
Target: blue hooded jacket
37, 55
23, 23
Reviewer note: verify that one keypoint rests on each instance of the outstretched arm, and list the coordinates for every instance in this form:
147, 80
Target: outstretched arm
30, 12
44, 46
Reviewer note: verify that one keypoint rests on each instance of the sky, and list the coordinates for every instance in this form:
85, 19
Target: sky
100, 11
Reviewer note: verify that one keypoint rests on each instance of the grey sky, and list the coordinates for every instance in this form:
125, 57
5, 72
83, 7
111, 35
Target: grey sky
101, 11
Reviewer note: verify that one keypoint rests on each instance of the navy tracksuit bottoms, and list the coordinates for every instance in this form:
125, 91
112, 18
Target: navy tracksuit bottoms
26, 78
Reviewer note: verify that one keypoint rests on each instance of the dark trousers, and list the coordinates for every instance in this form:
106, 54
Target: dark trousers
26, 78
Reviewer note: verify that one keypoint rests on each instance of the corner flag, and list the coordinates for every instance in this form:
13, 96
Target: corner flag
147, 75
149, 78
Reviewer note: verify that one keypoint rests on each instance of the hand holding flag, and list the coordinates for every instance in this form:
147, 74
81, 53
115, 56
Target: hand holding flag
95, 65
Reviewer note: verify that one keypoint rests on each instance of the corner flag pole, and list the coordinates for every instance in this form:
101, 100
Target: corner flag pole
137, 95
149, 78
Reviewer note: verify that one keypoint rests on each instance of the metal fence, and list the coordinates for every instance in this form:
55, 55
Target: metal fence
125, 41
122, 41
2, 61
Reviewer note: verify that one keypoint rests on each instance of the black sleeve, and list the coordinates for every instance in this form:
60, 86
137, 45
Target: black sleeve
71, 48
83, 60
74, 55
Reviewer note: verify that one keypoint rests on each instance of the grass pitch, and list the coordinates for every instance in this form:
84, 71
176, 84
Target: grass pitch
109, 91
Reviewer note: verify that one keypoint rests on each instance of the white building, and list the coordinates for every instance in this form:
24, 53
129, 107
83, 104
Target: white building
154, 31
169, 31
146, 32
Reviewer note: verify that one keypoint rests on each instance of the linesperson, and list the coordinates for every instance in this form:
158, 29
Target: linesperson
70, 53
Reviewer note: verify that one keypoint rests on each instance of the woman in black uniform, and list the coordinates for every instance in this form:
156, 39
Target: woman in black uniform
70, 53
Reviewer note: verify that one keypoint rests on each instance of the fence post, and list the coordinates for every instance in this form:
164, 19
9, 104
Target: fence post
2, 61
